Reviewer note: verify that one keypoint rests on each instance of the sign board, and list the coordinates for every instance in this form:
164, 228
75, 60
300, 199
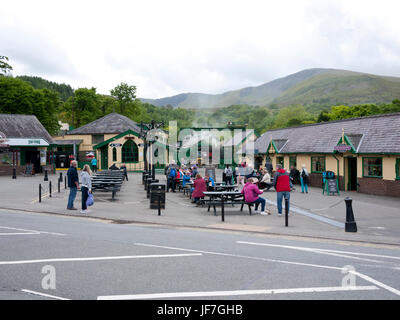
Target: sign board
331, 186
42, 157
117, 145
342, 148
210, 171
27, 142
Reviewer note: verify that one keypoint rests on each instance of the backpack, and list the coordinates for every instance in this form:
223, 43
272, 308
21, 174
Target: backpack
303, 174
172, 173
229, 172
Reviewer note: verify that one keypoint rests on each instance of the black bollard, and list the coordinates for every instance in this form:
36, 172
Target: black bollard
65, 182
14, 176
40, 192
286, 212
50, 188
159, 204
61, 178
59, 186
46, 178
351, 225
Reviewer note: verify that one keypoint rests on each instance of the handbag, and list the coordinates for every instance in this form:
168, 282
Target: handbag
90, 200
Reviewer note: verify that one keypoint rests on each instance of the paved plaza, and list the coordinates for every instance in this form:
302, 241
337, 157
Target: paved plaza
312, 215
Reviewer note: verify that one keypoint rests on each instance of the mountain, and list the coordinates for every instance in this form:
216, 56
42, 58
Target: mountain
308, 87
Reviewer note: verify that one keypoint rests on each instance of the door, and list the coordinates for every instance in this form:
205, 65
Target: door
352, 174
104, 158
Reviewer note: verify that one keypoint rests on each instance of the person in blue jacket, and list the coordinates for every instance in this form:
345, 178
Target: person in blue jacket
186, 178
209, 182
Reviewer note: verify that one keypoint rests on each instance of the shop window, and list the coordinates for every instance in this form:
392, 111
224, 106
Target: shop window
372, 167
114, 153
97, 138
130, 152
292, 161
281, 161
318, 164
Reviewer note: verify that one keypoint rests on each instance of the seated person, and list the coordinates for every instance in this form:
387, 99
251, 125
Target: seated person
209, 182
251, 193
186, 178
265, 182
199, 186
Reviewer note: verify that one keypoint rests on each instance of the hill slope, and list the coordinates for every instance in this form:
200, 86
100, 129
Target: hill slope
308, 87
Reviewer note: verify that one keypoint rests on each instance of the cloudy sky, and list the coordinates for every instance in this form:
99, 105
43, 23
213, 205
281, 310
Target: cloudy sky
167, 47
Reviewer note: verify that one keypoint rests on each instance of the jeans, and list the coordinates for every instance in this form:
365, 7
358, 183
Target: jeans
85, 195
280, 196
171, 184
303, 185
262, 201
72, 196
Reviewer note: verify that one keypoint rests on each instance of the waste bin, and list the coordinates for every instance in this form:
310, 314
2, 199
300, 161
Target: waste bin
157, 195
149, 183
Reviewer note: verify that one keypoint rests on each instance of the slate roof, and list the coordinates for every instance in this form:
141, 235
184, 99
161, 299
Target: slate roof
375, 134
23, 126
67, 142
112, 123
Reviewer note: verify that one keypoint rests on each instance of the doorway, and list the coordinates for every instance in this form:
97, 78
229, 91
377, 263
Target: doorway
352, 174
104, 158
33, 157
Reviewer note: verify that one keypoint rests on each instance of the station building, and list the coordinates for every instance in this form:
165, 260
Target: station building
24, 143
112, 139
364, 153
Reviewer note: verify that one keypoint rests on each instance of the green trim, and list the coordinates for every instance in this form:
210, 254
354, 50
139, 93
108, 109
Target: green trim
398, 169
363, 167
311, 159
102, 144
275, 148
347, 141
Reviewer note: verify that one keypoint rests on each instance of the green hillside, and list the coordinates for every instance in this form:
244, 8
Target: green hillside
312, 87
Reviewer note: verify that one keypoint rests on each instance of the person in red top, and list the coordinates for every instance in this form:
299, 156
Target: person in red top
251, 195
199, 186
283, 185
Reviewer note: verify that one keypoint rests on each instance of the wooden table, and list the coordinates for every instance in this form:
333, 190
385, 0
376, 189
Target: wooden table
232, 197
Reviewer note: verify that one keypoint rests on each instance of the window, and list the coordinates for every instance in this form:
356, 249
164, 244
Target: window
293, 161
398, 169
130, 152
372, 167
281, 161
97, 138
318, 164
114, 152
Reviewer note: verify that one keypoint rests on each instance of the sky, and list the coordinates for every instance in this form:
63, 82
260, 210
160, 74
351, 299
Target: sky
168, 47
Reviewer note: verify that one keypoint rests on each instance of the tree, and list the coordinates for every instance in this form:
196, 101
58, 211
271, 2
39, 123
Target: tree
126, 97
83, 106
4, 66
292, 116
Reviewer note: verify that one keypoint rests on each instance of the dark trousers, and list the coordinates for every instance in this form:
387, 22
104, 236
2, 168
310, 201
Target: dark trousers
94, 168
171, 184
85, 195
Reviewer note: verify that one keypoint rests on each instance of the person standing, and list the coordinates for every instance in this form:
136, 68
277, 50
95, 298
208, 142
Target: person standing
228, 175
73, 184
171, 178
268, 165
94, 164
304, 179
294, 174
283, 185
86, 186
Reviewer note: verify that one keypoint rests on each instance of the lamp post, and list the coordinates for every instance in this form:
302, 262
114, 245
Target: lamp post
149, 166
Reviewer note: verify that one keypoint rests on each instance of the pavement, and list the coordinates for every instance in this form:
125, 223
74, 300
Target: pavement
312, 215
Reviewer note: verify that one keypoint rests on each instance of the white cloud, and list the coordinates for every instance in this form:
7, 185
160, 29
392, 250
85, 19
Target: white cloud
175, 46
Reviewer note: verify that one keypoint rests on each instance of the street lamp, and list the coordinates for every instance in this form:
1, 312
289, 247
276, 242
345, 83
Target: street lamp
147, 144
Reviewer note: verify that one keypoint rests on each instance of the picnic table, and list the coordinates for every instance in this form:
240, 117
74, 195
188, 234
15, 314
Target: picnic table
223, 198
108, 181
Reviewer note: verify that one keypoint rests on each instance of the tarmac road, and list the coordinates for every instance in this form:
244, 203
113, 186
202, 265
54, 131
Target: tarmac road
90, 259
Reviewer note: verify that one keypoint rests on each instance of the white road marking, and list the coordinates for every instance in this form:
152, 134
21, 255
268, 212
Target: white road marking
365, 277
233, 293
19, 233
313, 250
33, 231
99, 258
43, 294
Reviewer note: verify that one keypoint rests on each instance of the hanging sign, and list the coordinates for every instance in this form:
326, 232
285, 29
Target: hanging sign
112, 145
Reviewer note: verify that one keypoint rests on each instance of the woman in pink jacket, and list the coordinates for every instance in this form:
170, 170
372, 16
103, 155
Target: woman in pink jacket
251, 195
199, 186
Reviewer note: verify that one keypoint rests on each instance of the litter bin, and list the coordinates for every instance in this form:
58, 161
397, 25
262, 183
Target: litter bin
149, 183
157, 195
